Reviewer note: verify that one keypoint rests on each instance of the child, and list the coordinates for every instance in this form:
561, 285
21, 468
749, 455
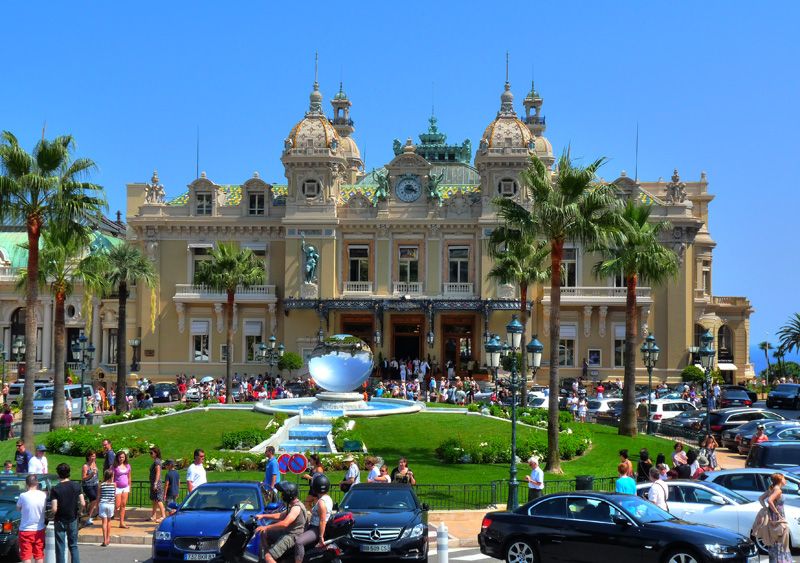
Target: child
106, 511
172, 484
8, 468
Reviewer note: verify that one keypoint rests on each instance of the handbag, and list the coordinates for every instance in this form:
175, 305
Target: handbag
344, 487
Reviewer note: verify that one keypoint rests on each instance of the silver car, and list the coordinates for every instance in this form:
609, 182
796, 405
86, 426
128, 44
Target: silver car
752, 482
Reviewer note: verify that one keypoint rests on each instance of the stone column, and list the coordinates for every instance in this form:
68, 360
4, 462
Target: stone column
96, 332
47, 333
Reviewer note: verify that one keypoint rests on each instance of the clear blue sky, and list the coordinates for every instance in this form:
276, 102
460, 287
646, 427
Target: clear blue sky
713, 85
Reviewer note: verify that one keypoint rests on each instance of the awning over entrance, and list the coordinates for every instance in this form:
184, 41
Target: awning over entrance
727, 367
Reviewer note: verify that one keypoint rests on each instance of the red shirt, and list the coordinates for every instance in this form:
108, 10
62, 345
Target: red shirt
758, 439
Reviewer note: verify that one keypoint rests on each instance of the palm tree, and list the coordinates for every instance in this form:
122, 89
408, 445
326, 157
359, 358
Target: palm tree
766, 347
62, 263
637, 255
789, 334
36, 189
230, 269
125, 265
779, 354
568, 205
521, 260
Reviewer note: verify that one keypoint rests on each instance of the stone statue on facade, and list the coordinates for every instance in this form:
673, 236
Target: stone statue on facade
676, 190
382, 191
433, 188
311, 261
154, 191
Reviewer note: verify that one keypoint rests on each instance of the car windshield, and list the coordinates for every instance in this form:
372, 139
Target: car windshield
212, 497
10, 489
727, 492
379, 499
786, 388
736, 393
536, 401
690, 414
43, 395
595, 404
644, 511
163, 386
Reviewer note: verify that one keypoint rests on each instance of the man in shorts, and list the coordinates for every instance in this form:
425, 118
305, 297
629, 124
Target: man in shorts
31, 505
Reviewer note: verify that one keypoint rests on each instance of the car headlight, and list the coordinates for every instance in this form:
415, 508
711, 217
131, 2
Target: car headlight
222, 539
163, 536
414, 532
721, 551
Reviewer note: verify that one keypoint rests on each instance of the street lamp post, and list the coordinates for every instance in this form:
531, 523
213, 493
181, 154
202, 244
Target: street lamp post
84, 354
493, 348
270, 354
18, 351
3, 369
650, 351
707, 354
135, 343
535, 349
513, 340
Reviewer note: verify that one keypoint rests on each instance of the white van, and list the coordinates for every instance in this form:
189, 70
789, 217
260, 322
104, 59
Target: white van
43, 401
15, 391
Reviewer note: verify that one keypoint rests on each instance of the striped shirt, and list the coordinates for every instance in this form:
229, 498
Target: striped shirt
107, 491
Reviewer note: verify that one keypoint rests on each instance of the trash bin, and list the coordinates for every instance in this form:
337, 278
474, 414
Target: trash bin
584, 482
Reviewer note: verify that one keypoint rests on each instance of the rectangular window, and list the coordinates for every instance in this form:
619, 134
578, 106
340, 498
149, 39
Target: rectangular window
359, 263
223, 353
706, 277
619, 346
256, 204
566, 345
200, 341
252, 339
458, 259
203, 204
111, 348
619, 280
198, 255
408, 264
569, 268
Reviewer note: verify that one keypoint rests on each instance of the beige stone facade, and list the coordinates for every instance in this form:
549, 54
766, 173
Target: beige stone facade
402, 257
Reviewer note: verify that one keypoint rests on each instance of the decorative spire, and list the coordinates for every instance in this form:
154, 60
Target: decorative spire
506, 98
315, 107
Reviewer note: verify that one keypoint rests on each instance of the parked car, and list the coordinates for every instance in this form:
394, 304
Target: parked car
165, 392
11, 486
785, 395
192, 532
390, 523
750, 393
774, 455
662, 409
752, 482
600, 527
725, 419
538, 402
706, 502
611, 416
777, 431
730, 438
15, 391
43, 401
194, 393
688, 424
734, 398
596, 406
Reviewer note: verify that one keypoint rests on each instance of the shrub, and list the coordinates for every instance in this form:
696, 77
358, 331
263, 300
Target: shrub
693, 374
244, 439
76, 441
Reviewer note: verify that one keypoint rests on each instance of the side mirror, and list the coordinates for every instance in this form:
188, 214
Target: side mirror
716, 499
621, 520
335, 506
425, 506
172, 506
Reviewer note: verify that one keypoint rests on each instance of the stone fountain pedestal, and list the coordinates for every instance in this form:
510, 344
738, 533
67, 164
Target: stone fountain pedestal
331, 401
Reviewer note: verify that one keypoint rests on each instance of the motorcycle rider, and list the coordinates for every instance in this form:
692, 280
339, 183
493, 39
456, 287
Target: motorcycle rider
320, 514
279, 537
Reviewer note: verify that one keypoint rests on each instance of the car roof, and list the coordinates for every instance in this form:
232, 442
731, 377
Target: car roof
738, 409
789, 384
381, 486
234, 483
668, 401
763, 470
782, 444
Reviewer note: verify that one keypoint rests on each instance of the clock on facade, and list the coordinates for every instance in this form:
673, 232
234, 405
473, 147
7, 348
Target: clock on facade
408, 189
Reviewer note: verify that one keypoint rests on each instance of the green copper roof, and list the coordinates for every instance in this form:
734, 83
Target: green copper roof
11, 246
232, 195
433, 146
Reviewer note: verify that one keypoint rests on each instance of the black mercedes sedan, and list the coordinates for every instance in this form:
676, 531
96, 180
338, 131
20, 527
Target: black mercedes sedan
784, 396
390, 523
603, 527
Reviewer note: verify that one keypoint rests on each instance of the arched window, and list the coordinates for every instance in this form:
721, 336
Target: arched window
17, 329
698, 333
725, 343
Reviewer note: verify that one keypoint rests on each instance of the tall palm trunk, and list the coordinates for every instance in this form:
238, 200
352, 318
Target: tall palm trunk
229, 343
34, 227
59, 418
556, 254
627, 424
121, 402
766, 355
523, 317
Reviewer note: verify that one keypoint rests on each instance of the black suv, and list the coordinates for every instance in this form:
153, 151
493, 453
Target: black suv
774, 455
785, 395
725, 419
390, 523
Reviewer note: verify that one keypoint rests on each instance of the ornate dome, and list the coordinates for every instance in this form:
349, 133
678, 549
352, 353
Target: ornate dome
349, 148
543, 148
507, 130
313, 131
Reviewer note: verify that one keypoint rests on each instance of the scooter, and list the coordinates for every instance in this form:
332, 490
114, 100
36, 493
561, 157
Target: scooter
237, 545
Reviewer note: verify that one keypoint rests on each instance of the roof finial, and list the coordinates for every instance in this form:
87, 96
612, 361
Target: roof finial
506, 67
315, 107
316, 68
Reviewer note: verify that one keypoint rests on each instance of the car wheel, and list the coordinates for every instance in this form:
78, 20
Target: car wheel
762, 547
681, 555
520, 551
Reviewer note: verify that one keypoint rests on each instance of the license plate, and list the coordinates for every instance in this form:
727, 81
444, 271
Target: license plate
199, 556
753, 559
381, 548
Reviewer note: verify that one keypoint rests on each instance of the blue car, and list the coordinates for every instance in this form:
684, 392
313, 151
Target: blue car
192, 533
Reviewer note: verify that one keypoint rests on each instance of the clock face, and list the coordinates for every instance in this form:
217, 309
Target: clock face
408, 189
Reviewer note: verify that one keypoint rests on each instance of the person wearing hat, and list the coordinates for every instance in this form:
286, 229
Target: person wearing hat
38, 463
535, 479
760, 436
353, 475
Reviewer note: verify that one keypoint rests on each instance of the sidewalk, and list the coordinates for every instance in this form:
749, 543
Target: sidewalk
139, 533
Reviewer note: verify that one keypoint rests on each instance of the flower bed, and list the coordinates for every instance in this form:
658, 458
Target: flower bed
78, 440
136, 414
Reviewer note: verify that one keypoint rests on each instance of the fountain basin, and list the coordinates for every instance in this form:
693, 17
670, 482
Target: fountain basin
333, 405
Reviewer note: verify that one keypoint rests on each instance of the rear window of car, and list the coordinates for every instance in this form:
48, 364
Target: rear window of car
736, 393
595, 404
786, 456
786, 388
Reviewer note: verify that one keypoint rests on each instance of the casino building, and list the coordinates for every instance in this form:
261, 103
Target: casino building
399, 256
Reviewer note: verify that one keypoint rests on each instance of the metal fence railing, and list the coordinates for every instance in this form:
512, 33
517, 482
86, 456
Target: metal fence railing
462, 496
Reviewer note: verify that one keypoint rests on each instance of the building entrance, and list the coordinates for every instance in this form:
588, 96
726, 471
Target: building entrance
361, 326
458, 343
407, 336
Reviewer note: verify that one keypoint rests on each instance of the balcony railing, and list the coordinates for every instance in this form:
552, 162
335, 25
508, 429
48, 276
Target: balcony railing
7, 273
363, 287
461, 288
407, 288
735, 301
599, 295
200, 292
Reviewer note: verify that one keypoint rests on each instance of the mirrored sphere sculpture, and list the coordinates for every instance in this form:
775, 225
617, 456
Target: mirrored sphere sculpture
341, 363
